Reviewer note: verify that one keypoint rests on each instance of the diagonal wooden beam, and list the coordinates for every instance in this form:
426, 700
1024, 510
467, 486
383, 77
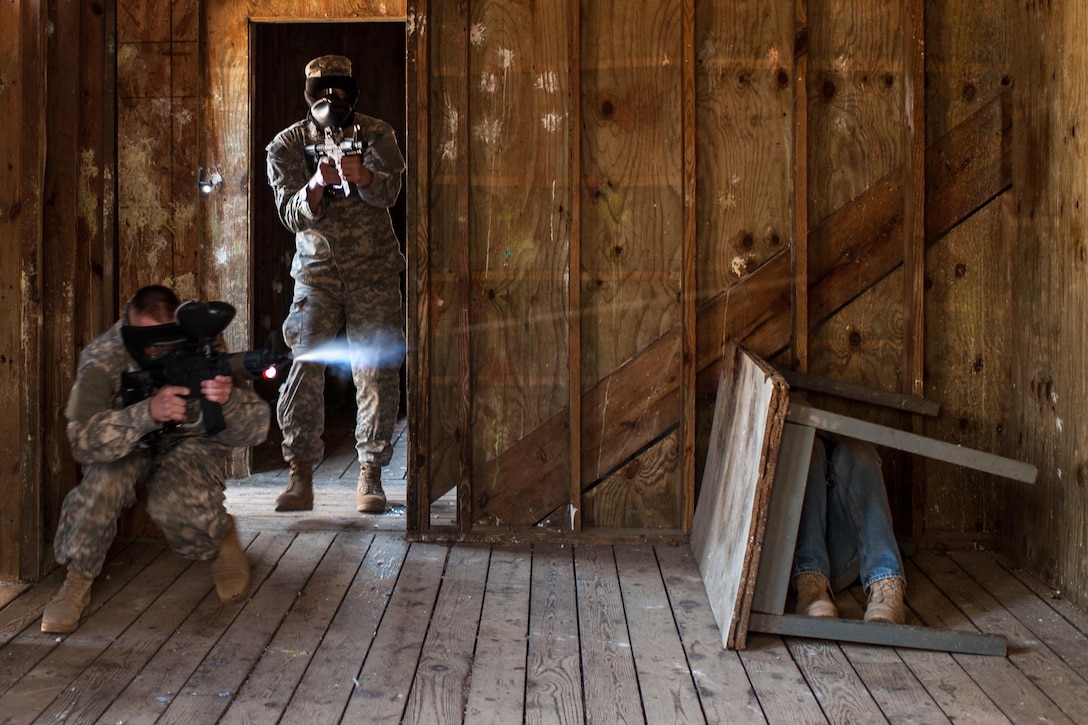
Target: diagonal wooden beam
850, 251
861, 243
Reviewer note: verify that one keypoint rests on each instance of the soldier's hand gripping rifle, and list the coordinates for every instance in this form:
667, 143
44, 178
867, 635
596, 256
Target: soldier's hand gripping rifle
192, 359
336, 150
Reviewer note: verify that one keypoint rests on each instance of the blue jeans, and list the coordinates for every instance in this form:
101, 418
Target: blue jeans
846, 524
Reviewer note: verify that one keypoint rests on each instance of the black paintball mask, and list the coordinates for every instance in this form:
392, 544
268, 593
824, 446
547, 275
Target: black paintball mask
161, 340
332, 100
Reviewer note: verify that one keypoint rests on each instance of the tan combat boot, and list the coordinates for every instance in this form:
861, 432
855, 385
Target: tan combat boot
299, 494
230, 570
814, 596
369, 494
70, 604
886, 602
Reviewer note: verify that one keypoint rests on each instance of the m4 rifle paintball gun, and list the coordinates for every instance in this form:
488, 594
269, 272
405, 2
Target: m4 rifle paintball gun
192, 359
336, 150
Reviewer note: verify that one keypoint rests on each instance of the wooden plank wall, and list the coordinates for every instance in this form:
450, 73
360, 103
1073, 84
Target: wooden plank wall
515, 254
745, 119
631, 113
855, 119
1047, 526
158, 114
745, 160
22, 93
967, 292
855, 115
521, 315
56, 238
859, 90
861, 85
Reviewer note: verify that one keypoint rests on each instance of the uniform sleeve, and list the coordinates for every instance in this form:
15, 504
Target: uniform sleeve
97, 432
385, 161
246, 415
288, 177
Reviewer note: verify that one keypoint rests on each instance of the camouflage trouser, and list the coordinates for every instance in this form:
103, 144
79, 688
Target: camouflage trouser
184, 498
373, 318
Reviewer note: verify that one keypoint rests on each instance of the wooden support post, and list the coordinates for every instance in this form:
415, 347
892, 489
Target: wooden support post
689, 292
574, 262
21, 378
420, 471
914, 242
914, 195
464, 284
799, 248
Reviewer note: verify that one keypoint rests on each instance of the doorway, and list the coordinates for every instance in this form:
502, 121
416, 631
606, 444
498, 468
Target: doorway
279, 52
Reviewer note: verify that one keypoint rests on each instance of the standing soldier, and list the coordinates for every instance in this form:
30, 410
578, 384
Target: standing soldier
335, 174
159, 440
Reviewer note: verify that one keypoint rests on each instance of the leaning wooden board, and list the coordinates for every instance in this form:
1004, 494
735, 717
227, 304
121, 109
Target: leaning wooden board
740, 520
730, 516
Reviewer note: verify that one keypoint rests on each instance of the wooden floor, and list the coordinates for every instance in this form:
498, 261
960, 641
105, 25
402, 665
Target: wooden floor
349, 622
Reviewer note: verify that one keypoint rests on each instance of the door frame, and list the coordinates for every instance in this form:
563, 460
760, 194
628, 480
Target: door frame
226, 138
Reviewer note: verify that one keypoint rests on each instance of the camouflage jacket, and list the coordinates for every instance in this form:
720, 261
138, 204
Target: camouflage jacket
102, 429
345, 233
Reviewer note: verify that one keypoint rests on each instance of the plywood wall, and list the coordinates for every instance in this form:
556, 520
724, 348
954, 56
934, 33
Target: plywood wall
855, 118
158, 116
514, 269
745, 118
552, 256
840, 138
967, 292
1047, 526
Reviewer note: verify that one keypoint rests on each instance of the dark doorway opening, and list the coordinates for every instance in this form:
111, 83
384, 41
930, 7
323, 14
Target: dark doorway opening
279, 53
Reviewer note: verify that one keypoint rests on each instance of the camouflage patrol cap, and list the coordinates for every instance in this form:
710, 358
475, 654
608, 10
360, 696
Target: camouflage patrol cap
328, 65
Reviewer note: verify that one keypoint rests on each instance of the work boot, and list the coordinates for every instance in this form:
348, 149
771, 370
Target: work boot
369, 494
230, 570
886, 601
299, 494
814, 595
70, 604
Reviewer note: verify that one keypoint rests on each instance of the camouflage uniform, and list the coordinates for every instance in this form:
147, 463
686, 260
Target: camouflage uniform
347, 269
184, 470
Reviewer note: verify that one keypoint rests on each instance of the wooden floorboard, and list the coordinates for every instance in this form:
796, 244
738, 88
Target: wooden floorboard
609, 682
348, 621
667, 689
332, 671
499, 662
553, 684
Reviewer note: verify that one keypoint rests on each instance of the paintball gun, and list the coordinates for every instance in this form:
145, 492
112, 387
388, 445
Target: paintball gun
191, 359
335, 150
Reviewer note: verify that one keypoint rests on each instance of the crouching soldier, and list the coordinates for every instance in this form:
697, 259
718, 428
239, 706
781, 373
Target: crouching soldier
158, 440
